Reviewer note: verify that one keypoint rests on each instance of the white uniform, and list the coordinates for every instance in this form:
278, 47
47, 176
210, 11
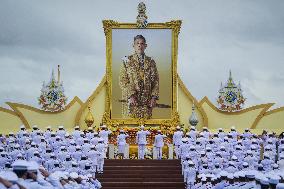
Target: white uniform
177, 137
104, 135
158, 145
141, 141
100, 159
121, 143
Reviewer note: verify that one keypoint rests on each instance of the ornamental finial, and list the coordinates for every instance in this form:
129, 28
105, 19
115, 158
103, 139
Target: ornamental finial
52, 97
193, 120
142, 17
230, 97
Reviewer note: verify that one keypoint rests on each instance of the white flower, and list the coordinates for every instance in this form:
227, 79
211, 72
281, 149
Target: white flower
125, 59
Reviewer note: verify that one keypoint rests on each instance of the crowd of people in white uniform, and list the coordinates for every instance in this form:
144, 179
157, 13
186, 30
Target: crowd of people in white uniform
47, 159
56, 159
230, 160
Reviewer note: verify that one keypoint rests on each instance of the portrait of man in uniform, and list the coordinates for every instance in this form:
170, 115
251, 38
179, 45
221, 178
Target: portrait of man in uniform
139, 82
140, 74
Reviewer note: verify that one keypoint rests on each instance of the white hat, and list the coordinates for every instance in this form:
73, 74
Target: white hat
230, 176
184, 139
190, 163
9, 175
76, 127
89, 175
74, 175
22, 126
274, 179
264, 181
60, 127
34, 126
280, 186
237, 174
142, 126
250, 174
20, 165
78, 147
62, 147
203, 178
178, 127
33, 166
234, 157
64, 175
72, 142
223, 173
100, 140
48, 127
103, 126
233, 127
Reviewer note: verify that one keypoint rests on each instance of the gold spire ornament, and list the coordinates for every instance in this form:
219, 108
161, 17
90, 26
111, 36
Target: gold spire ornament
58, 73
142, 17
89, 119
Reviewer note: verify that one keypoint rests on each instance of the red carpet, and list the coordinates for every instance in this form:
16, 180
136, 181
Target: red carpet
138, 174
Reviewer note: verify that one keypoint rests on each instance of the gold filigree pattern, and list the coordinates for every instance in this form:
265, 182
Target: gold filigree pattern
174, 119
175, 25
108, 25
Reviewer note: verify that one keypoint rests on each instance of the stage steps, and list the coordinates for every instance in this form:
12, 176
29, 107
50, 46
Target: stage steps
141, 174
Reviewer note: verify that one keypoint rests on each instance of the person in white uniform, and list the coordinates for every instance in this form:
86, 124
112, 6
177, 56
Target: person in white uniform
121, 143
159, 143
177, 137
141, 140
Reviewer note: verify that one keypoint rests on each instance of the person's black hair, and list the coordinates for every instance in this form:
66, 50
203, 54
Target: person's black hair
139, 37
20, 173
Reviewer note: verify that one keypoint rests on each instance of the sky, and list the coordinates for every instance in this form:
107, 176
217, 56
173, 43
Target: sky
244, 36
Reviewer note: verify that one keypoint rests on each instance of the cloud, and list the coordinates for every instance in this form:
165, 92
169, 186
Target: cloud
244, 36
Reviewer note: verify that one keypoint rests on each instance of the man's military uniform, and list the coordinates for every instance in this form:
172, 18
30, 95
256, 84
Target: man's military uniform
139, 79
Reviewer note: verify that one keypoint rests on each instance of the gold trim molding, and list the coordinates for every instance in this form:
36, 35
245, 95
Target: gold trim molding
256, 121
261, 114
108, 26
205, 99
280, 109
9, 111
15, 107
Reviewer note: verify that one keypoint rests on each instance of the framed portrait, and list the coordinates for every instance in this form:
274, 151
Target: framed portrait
141, 74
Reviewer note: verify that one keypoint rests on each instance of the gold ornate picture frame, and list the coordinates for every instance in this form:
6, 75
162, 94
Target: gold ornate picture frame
109, 26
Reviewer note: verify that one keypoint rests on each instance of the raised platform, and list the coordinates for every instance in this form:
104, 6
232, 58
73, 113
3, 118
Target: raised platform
138, 174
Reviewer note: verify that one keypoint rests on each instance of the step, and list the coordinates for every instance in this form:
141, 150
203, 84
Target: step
141, 174
142, 167
142, 161
137, 187
124, 171
144, 184
176, 179
138, 175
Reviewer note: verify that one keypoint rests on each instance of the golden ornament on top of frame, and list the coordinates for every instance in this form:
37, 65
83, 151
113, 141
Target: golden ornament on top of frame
108, 25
